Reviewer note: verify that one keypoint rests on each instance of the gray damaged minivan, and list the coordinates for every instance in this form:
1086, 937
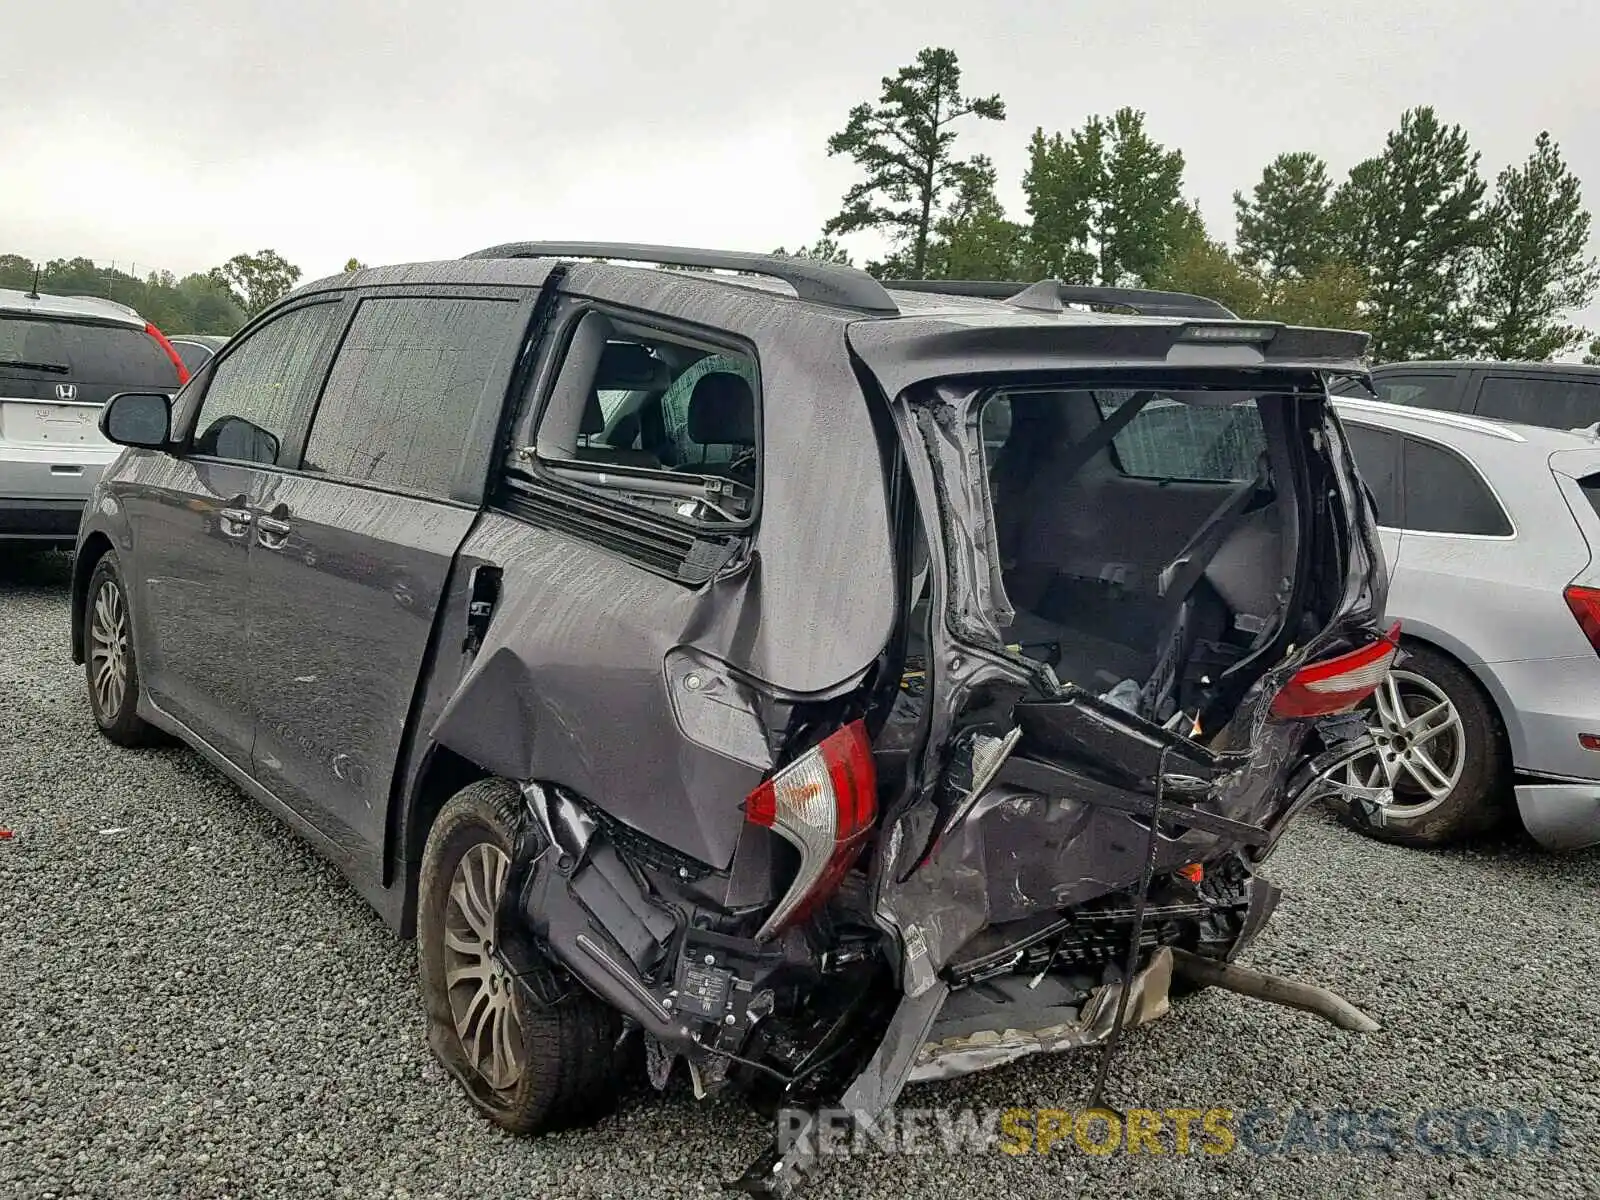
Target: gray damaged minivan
821, 684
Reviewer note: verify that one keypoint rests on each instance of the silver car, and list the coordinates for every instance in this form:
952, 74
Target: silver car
1491, 533
61, 359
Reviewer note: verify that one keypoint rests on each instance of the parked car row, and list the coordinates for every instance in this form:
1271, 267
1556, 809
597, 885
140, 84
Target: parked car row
1486, 481
820, 684
61, 359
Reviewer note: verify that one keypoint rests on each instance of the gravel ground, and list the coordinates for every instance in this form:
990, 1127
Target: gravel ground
193, 1004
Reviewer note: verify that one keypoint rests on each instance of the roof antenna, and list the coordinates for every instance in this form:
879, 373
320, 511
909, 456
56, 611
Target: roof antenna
34, 295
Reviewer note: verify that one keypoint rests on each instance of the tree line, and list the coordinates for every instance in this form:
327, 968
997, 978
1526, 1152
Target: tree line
1412, 246
217, 301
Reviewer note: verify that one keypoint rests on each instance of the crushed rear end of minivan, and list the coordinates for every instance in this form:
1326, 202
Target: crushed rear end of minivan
1147, 594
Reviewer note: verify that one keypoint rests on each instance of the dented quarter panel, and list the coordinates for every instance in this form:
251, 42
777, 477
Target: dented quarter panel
582, 678
824, 603
572, 686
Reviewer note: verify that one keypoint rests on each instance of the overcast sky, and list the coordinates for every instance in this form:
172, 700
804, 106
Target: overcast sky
175, 135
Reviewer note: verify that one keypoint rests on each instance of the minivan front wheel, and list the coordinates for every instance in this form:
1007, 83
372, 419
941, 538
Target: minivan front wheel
111, 669
529, 1065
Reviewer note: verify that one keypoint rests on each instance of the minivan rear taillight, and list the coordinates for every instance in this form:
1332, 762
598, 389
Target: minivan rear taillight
1338, 684
1585, 605
169, 351
823, 804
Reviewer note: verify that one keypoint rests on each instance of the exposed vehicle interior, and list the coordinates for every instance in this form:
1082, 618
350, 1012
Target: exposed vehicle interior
658, 409
1140, 536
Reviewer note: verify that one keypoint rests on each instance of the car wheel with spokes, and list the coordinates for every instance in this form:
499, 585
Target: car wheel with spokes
1439, 747
111, 668
529, 1063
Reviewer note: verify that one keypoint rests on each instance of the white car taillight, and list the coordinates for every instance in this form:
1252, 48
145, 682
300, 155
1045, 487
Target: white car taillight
823, 804
1338, 684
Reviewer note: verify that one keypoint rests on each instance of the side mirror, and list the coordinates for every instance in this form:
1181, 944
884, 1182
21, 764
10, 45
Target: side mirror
142, 419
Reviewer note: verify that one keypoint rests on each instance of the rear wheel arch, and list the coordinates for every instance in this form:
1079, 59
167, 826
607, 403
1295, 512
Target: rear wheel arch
1415, 632
444, 773
1479, 798
1494, 697
95, 547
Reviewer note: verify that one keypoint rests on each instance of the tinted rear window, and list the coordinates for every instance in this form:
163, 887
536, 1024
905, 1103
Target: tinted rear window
1443, 494
193, 354
1173, 438
1553, 402
1417, 391
93, 354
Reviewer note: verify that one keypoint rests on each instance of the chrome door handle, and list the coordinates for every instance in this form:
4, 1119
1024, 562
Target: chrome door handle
235, 522
271, 532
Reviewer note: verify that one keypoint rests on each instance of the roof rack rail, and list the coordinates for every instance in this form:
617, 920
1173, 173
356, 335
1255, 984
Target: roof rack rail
1145, 301
106, 300
820, 282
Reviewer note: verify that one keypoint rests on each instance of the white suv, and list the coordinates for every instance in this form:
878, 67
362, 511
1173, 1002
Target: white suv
61, 359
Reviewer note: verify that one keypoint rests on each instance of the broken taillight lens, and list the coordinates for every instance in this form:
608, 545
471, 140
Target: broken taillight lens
1338, 684
1585, 605
823, 804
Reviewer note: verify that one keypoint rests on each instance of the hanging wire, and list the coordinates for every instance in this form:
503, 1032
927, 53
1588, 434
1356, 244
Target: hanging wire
1097, 1095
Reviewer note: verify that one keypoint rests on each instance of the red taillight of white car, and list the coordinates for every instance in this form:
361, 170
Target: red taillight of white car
823, 804
1585, 605
169, 350
1337, 685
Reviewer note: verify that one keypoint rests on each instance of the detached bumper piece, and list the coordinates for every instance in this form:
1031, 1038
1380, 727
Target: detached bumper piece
782, 1170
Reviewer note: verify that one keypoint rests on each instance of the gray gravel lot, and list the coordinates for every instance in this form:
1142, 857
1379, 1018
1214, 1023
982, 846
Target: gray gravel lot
198, 1006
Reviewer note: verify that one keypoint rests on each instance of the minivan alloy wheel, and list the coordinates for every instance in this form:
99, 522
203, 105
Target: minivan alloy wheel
108, 648
1420, 749
481, 990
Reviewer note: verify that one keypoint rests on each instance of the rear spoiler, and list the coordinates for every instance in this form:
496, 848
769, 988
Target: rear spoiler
917, 348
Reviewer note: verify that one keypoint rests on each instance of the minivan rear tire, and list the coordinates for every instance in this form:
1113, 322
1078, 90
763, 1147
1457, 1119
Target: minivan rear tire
110, 665
572, 1060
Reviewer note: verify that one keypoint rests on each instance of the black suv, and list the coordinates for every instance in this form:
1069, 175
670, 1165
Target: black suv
823, 684
1554, 395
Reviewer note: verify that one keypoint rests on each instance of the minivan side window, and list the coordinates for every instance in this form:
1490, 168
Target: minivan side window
1445, 494
405, 389
1555, 402
1437, 392
681, 417
254, 401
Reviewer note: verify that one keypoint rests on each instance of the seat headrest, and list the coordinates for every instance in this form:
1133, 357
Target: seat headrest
628, 366
722, 411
